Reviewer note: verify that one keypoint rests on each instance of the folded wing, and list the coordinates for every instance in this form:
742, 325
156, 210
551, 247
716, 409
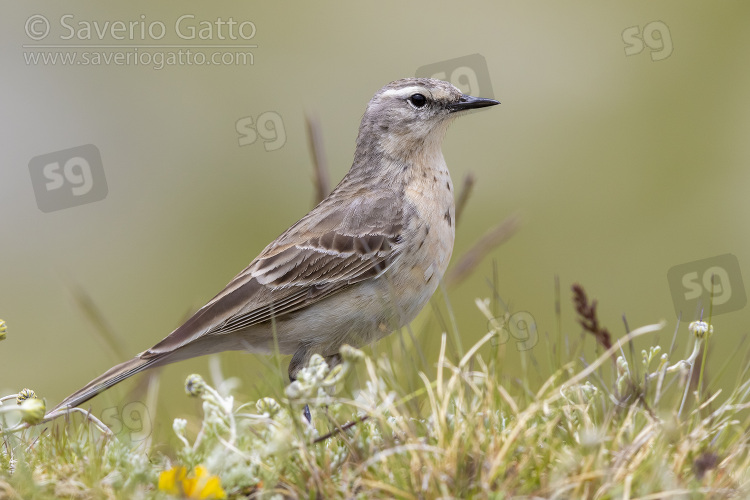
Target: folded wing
328, 250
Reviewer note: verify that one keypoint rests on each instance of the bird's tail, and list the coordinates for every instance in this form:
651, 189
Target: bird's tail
109, 378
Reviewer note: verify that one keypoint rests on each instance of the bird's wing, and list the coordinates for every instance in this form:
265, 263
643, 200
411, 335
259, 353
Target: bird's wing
344, 240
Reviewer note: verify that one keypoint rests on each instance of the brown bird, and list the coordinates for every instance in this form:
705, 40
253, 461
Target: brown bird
360, 265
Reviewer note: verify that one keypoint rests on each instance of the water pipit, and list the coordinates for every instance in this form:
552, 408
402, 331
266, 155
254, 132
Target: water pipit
360, 265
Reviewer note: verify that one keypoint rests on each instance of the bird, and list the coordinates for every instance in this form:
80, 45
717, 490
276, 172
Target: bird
358, 266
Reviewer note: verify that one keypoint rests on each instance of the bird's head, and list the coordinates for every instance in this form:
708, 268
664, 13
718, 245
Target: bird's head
411, 115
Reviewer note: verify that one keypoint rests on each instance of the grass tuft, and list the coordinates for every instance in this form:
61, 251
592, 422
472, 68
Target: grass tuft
464, 431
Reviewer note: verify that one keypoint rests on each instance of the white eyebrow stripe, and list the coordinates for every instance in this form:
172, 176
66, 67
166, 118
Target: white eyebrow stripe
405, 92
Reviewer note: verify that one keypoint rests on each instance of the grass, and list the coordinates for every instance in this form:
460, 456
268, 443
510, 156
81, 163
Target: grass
621, 424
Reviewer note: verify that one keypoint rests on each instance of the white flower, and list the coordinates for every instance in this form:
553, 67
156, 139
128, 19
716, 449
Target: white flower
267, 406
700, 328
24, 395
349, 353
32, 411
179, 425
194, 385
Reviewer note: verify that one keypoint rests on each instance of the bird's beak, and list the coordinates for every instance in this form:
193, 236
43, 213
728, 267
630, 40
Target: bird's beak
469, 102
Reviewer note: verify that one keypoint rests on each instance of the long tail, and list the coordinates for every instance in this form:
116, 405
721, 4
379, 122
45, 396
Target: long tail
109, 378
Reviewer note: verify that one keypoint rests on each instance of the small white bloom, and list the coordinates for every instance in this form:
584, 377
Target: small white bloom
350, 353
294, 390
194, 385
32, 411
179, 425
24, 395
267, 407
700, 328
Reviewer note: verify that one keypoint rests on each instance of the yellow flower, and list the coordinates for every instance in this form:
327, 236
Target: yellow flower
201, 485
169, 480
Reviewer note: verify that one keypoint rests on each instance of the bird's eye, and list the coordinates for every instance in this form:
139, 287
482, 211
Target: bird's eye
418, 100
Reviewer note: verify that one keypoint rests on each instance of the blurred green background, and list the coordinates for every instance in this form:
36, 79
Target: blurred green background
620, 166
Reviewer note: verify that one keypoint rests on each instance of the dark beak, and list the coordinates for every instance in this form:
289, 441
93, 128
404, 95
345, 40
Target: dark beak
469, 102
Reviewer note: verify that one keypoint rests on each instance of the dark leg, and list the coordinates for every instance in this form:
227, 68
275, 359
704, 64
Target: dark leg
300, 358
333, 360
297, 362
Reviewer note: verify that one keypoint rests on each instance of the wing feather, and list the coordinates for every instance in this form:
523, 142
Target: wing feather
322, 254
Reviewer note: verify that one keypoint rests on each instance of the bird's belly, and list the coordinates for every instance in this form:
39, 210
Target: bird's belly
371, 309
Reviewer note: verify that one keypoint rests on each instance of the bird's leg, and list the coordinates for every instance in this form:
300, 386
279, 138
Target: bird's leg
333, 360
300, 358
298, 361
306, 413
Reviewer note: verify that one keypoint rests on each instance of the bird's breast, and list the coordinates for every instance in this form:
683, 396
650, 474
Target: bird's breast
427, 239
